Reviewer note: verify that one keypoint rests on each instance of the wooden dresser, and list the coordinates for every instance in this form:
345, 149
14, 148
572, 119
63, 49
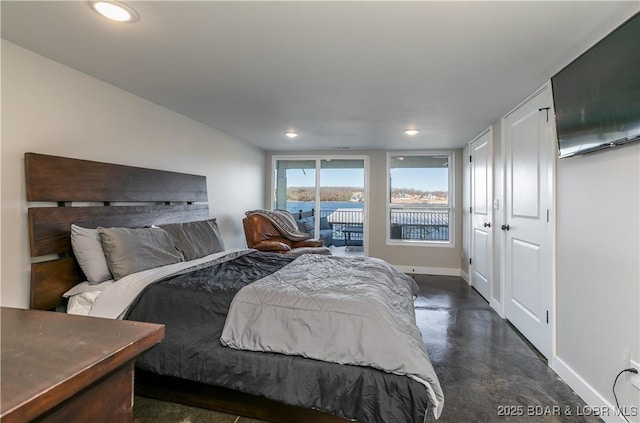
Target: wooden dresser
58, 367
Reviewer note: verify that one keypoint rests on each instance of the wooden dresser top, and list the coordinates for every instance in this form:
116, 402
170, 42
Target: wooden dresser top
47, 357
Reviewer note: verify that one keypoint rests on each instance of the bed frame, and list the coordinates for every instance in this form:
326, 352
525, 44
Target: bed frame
92, 194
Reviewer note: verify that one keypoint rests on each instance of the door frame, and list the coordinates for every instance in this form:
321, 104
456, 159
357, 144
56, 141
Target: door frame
552, 233
318, 158
490, 206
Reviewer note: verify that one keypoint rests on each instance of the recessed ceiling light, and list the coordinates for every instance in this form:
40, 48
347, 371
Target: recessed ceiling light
291, 134
411, 132
115, 11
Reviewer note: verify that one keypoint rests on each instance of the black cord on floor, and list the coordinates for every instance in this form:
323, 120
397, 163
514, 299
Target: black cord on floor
630, 370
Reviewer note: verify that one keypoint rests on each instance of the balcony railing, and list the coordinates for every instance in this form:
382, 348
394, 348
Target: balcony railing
406, 224
419, 225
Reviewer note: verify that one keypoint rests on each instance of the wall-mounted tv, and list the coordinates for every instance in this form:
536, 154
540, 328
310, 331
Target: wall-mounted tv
597, 96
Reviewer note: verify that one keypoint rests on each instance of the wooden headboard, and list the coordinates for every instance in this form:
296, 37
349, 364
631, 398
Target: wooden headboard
92, 194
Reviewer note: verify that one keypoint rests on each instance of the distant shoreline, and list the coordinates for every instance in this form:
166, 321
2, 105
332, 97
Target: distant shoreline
356, 194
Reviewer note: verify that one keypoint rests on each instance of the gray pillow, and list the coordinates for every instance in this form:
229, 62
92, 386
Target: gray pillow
324, 223
133, 250
196, 239
301, 226
89, 253
309, 224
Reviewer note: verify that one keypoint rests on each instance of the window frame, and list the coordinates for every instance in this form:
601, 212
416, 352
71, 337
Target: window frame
451, 207
318, 158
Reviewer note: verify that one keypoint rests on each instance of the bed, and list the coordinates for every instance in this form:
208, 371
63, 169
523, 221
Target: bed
211, 358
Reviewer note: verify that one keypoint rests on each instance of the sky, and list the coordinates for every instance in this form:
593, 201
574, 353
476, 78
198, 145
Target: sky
430, 179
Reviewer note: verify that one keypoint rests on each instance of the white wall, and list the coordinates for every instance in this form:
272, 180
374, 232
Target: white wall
598, 272
52, 109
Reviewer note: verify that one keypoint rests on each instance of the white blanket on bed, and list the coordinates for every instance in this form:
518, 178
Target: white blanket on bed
355, 311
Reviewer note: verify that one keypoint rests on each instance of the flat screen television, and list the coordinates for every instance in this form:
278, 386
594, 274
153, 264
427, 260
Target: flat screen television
597, 96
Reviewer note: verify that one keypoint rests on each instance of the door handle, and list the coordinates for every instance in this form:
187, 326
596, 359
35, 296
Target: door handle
505, 227
487, 225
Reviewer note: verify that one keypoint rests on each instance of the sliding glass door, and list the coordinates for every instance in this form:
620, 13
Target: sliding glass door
326, 195
295, 186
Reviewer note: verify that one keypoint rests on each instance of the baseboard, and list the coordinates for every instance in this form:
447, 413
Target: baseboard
495, 305
464, 275
589, 395
420, 270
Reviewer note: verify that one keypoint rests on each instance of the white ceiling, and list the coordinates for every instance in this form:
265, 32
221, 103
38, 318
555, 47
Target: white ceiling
343, 74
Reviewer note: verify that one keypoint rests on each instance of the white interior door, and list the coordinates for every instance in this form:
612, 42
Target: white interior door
481, 151
529, 155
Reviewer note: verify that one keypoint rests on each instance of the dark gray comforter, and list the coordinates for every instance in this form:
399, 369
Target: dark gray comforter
193, 307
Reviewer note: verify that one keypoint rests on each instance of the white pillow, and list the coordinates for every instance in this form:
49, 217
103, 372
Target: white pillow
82, 296
80, 304
89, 253
84, 287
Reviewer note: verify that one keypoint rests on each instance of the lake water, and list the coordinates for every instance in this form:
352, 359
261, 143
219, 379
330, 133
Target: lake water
325, 206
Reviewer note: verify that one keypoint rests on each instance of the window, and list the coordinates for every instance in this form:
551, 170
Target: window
326, 194
420, 198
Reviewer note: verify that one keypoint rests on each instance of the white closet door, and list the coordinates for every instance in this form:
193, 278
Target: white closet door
481, 152
529, 156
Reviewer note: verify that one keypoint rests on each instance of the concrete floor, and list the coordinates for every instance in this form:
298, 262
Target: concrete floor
488, 372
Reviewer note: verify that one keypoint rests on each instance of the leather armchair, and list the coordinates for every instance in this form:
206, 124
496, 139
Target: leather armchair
262, 235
